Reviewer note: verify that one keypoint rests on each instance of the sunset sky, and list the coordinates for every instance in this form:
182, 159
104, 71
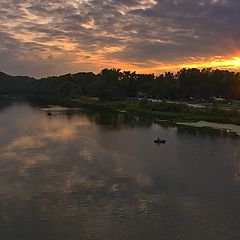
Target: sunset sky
52, 37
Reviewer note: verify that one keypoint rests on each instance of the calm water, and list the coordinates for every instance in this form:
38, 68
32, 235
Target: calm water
82, 175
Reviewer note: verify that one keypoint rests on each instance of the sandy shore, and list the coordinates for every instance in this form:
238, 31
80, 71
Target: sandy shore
219, 126
55, 108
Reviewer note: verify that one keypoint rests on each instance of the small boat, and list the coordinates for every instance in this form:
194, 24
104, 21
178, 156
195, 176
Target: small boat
49, 113
158, 140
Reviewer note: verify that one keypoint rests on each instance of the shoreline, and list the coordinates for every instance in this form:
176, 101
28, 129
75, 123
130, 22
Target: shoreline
228, 128
192, 117
189, 115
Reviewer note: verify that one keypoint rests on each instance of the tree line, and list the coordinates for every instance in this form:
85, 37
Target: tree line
114, 84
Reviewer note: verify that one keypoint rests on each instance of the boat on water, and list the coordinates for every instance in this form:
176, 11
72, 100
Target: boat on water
159, 140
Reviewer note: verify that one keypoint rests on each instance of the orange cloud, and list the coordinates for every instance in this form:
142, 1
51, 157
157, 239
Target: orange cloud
42, 38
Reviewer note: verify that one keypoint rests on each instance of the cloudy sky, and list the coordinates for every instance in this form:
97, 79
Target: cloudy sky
52, 37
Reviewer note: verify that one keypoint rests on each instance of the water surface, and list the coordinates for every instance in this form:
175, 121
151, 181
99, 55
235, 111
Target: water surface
98, 175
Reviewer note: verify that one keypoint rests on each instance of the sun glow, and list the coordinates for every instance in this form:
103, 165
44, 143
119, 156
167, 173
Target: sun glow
220, 62
217, 62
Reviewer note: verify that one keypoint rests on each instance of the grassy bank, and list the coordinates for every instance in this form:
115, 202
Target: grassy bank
174, 112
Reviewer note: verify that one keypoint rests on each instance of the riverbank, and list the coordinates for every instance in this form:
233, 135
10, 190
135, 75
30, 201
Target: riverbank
176, 112
164, 111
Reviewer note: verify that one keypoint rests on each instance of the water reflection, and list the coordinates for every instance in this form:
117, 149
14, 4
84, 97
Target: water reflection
88, 175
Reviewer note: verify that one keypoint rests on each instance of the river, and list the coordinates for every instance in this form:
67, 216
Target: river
80, 174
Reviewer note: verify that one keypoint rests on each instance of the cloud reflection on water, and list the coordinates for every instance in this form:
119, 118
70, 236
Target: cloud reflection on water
55, 149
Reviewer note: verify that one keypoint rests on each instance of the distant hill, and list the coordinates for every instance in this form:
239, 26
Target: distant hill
14, 84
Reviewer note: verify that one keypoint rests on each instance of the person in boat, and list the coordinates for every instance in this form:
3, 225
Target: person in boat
158, 140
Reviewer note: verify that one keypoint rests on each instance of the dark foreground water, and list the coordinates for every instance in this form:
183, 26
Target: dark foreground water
78, 175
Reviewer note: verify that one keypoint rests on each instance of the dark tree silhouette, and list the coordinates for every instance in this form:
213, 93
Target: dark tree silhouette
113, 84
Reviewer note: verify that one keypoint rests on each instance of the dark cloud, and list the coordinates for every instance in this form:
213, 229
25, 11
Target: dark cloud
130, 32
